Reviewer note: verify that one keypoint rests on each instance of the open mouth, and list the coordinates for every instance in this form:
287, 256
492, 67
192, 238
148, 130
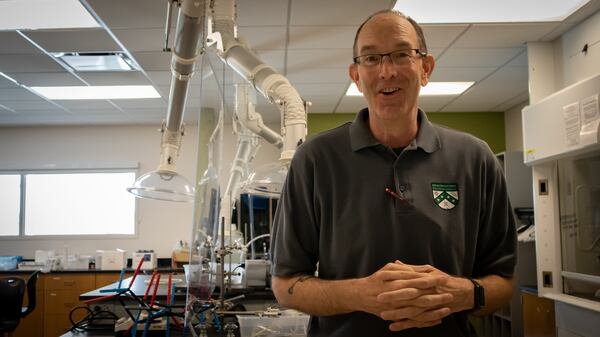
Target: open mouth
389, 91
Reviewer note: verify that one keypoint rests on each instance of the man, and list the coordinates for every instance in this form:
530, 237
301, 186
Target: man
409, 222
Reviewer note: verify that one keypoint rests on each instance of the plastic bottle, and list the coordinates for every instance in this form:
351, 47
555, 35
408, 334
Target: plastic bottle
235, 240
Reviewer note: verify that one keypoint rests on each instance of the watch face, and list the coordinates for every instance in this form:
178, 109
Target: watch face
478, 295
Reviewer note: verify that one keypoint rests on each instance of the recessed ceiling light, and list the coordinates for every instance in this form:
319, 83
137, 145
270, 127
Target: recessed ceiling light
477, 11
97, 92
431, 89
96, 61
44, 14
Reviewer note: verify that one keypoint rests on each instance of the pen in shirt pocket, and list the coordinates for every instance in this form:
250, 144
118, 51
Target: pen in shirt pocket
396, 195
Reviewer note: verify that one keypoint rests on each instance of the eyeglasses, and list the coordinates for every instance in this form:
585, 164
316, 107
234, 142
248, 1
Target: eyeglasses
400, 57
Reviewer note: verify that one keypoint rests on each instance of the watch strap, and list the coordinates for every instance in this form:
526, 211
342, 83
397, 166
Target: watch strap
478, 295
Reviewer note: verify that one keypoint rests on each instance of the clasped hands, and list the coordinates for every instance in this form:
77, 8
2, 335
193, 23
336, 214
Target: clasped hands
414, 296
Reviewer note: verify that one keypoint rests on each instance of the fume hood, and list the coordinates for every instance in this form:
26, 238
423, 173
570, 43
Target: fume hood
561, 143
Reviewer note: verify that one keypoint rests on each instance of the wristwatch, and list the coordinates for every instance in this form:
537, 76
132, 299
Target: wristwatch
478, 296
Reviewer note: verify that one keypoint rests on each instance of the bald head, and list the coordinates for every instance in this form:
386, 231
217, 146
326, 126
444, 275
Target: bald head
419, 31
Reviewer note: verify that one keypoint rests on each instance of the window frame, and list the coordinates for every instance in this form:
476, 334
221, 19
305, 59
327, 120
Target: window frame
23, 172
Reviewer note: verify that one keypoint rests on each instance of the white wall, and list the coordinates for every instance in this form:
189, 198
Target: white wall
574, 64
160, 224
566, 64
513, 130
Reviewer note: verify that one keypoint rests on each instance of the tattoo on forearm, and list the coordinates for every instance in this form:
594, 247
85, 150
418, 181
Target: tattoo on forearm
299, 279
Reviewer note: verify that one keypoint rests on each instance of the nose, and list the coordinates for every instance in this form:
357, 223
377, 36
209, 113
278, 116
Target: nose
387, 69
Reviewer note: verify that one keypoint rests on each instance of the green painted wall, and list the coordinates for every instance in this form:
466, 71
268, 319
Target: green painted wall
488, 126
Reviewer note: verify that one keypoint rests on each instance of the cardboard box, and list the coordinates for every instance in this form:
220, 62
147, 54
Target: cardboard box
111, 259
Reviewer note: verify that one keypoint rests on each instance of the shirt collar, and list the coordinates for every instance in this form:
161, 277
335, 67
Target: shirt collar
361, 136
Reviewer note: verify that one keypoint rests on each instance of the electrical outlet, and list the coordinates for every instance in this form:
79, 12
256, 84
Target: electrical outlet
102, 307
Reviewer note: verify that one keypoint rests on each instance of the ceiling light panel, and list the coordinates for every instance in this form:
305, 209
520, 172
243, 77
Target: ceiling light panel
488, 11
44, 14
97, 92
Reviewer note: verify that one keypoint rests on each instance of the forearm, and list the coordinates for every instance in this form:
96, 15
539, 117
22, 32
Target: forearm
498, 292
315, 296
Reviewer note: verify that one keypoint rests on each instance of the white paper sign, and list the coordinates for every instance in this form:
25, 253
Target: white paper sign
572, 123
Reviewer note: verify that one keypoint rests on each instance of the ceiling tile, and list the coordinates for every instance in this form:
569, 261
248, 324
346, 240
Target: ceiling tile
519, 61
351, 104
308, 90
153, 61
316, 75
300, 59
440, 36
434, 103
321, 34
503, 35
262, 13
93, 104
160, 77
56, 112
5, 111
318, 12
5, 83
321, 37
115, 78
118, 14
28, 63
477, 57
271, 37
95, 111
81, 40
273, 58
46, 79
507, 105
13, 43
322, 107
40, 104
460, 74
18, 94
150, 39
503, 85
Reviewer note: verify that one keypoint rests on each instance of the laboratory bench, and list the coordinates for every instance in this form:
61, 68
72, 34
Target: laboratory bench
57, 293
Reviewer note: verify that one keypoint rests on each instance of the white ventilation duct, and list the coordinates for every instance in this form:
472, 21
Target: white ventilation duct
274, 86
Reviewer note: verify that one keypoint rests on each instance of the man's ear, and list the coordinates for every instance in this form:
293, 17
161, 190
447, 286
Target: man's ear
428, 65
353, 72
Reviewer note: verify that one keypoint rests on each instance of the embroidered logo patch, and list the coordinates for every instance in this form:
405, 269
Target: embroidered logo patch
445, 195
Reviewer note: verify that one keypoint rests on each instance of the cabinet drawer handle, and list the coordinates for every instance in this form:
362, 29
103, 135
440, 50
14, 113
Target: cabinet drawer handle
69, 283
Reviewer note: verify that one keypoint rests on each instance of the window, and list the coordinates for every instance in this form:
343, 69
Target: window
10, 204
70, 203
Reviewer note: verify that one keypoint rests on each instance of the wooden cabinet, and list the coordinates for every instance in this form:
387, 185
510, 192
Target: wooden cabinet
104, 279
31, 326
61, 296
538, 316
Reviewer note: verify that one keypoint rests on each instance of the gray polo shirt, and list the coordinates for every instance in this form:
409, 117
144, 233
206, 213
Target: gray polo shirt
452, 211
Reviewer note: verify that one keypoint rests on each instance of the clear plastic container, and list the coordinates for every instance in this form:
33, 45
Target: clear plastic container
290, 325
